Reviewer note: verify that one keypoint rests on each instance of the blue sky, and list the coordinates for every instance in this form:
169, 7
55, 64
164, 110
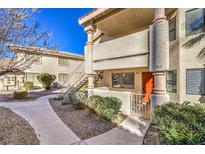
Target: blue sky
63, 23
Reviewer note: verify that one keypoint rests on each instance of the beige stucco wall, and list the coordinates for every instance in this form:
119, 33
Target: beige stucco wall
49, 64
133, 48
188, 59
180, 58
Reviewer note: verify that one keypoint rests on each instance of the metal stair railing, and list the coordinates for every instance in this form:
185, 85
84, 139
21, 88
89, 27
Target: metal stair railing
79, 70
77, 78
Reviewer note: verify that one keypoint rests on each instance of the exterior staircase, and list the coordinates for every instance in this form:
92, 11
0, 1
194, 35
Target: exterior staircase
77, 79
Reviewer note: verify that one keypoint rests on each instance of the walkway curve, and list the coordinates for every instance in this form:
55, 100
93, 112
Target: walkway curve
47, 125
52, 131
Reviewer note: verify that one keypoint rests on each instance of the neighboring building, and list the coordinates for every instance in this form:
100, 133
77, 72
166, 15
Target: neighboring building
62, 64
142, 56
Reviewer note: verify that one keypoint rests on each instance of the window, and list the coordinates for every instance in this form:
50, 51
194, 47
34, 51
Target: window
123, 80
63, 61
62, 78
195, 21
172, 29
10, 80
34, 59
32, 77
195, 81
171, 82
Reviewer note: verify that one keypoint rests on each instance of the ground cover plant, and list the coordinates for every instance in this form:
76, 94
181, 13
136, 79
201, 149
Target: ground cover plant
180, 123
20, 95
28, 85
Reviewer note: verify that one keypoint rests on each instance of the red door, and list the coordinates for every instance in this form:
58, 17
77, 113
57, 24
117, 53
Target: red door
147, 85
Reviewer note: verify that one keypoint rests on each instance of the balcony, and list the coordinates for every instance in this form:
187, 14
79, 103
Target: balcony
129, 51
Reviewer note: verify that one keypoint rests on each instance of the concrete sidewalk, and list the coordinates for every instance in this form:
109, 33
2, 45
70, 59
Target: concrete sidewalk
130, 132
48, 126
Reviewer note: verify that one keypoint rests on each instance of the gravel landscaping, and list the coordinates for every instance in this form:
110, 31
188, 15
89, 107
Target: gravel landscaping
14, 130
33, 95
151, 136
84, 123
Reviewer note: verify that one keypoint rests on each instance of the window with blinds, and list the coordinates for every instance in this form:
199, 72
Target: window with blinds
32, 77
172, 29
63, 78
195, 81
63, 61
171, 81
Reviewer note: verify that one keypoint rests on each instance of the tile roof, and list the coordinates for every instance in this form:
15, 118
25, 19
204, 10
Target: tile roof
43, 51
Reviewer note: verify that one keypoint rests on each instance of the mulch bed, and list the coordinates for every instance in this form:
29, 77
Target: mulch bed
33, 95
84, 123
15, 130
151, 136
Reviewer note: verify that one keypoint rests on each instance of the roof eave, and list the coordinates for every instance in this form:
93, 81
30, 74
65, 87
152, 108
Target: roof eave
92, 15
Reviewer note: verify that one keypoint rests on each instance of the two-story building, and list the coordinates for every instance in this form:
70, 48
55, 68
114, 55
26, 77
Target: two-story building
63, 65
142, 55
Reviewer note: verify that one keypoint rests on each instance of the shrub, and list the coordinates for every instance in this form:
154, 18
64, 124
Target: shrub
107, 107
28, 85
20, 94
180, 123
94, 102
46, 80
77, 99
59, 97
65, 101
110, 107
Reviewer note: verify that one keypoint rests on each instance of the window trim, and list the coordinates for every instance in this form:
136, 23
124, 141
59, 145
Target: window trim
68, 63
186, 22
176, 81
122, 88
175, 29
187, 81
63, 77
32, 77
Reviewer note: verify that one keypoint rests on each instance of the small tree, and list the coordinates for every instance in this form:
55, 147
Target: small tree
18, 26
46, 80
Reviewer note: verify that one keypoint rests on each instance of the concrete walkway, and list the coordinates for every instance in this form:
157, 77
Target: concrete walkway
130, 132
48, 126
51, 130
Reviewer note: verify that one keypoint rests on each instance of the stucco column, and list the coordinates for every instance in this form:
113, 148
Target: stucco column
159, 56
89, 56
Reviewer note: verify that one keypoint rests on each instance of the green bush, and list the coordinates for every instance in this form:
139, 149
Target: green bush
28, 85
59, 97
107, 107
20, 94
94, 102
77, 99
65, 101
46, 80
110, 107
180, 123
